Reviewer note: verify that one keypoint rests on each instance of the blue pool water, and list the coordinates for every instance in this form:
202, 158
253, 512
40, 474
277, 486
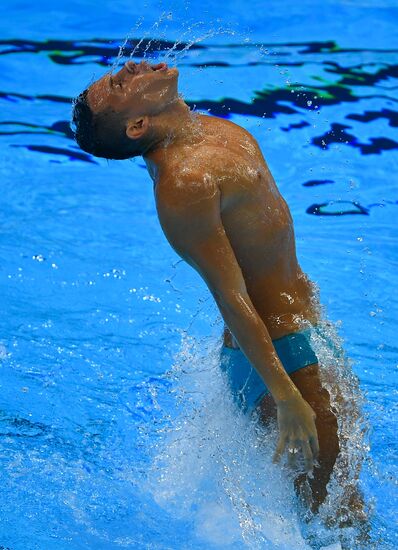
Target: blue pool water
116, 427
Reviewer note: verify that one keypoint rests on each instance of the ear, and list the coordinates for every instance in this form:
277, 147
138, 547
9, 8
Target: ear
137, 127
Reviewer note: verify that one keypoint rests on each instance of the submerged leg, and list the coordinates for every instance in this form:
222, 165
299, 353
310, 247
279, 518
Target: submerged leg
308, 382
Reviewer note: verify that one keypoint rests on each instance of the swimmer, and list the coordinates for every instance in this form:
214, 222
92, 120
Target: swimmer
221, 211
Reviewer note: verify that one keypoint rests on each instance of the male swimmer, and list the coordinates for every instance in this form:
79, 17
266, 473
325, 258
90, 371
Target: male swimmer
221, 211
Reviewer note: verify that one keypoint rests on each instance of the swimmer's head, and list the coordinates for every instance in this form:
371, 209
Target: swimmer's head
113, 117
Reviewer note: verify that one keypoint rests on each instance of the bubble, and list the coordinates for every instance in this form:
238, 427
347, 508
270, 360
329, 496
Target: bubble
151, 298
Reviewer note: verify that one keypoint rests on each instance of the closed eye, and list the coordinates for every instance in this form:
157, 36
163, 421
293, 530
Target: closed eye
114, 82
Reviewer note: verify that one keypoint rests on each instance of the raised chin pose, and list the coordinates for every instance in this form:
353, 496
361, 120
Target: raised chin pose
221, 211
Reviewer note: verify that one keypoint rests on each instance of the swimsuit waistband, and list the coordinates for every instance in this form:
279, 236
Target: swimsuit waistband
294, 351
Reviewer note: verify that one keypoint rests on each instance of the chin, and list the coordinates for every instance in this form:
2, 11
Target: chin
172, 75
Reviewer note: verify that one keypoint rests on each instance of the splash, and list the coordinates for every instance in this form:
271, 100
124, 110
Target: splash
156, 27
190, 35
144, 39
213, 465
348, 403
175, 53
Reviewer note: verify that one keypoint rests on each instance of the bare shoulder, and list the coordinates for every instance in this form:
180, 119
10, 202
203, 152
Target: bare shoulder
230, 133
219, 123
187, 202
194, 176
187, 182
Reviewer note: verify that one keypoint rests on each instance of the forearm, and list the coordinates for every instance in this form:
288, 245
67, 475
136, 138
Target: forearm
254, 340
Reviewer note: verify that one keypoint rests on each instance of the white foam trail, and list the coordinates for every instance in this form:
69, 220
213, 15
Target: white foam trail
347, 401
335, 546
214, 464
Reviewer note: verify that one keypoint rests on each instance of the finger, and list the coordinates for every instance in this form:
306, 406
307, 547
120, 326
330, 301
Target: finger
308, 457
315, 447
292, 454
280, 448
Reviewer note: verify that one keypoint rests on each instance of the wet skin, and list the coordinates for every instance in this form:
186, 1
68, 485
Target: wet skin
221, 211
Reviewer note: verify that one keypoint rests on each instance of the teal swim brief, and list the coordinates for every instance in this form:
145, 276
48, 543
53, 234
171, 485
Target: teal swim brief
295, 352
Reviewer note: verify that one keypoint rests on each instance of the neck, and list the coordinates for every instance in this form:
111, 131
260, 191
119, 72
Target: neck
176, 127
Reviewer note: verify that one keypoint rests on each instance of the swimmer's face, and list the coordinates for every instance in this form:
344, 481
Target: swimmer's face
136, 90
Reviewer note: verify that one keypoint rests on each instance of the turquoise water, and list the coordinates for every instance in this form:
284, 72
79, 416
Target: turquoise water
116, 427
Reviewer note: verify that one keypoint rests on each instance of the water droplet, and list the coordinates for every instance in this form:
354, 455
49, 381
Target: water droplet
151, 298
3, 351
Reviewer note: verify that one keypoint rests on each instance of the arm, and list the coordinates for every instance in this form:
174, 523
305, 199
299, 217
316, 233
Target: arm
192, 223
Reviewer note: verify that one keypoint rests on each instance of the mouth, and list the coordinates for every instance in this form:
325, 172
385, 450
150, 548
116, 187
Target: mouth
144, 67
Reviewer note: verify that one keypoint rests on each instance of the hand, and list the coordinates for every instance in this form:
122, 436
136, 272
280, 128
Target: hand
296, 422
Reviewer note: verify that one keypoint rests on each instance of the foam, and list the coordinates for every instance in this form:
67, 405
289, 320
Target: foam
213, 464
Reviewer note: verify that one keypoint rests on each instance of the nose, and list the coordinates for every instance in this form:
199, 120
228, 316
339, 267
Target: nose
135, 68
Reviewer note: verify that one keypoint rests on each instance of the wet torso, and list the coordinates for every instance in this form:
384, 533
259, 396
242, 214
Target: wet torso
256, 219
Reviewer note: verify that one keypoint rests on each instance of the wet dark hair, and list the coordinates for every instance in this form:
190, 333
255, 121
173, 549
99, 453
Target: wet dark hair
101, 134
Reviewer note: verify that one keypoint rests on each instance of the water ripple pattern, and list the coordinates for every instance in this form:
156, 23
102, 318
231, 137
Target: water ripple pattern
116, 427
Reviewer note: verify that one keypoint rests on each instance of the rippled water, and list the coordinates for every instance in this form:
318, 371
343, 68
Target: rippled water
117, 430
